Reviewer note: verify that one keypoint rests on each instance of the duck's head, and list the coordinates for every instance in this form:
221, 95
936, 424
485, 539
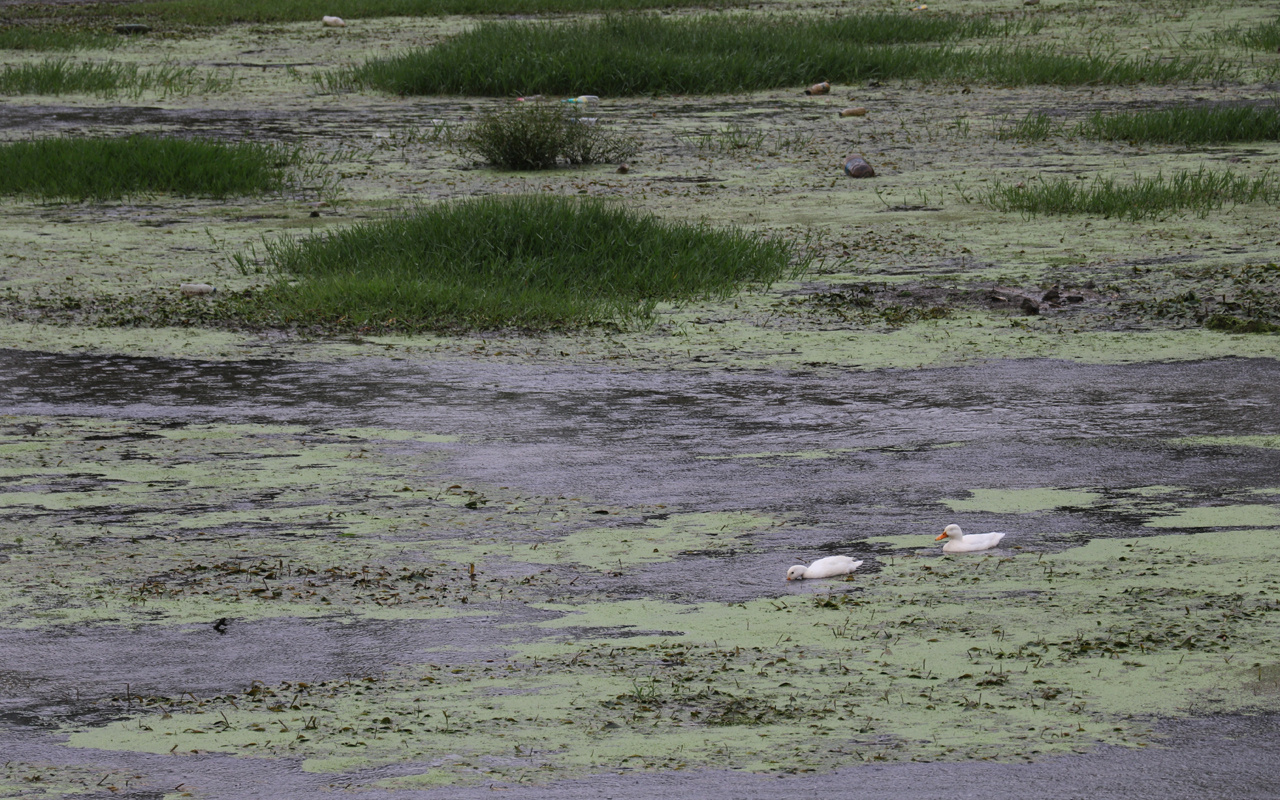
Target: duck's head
796, 573
950, 532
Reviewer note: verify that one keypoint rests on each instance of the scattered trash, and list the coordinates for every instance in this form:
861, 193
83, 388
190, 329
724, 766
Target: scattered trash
333, 22
531, 98
623, 169
192, 289
583, 100
921, 7
857, 167
133, 28
818, 88
854, 112
587, 120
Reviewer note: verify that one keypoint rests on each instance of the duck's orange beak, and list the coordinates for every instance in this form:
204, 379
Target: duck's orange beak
940, 537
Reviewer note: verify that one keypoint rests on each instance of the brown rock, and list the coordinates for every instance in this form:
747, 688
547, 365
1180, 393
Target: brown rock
857, 167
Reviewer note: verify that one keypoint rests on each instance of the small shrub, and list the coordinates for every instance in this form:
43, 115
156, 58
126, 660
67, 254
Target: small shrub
538, 135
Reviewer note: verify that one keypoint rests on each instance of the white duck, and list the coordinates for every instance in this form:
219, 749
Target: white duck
957, 542
827, 567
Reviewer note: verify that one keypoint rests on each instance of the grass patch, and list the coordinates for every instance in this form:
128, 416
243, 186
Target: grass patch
1264, 36
58, 76
645, 54
525, 261
1034, 127
1201, 191
1187, 125
109, 169
538, 135
30, 37
226, 12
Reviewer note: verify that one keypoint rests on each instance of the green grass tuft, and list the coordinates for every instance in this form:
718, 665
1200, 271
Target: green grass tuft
58, 76
1034, 127
646, 54
1264, 36
1201, 191
109, 169
524, 262
538, 135
1187, 125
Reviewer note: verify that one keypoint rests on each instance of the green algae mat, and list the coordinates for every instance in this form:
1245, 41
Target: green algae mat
419, 599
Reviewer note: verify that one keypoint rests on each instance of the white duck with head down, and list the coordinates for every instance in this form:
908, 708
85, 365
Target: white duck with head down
958, 542
828, 567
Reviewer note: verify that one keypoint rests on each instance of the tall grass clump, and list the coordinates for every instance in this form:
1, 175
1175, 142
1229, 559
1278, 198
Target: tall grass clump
645, 54
641, 54
58, 76
538, 135
30, 37
1187, 125
62, 76
109, 169
528, 262
1201, 191
1264, 36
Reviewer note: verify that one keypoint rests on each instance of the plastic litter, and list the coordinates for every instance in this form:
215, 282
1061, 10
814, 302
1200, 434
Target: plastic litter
193, 289
854, 112
583, 100
818, 88
857, 167
334, 22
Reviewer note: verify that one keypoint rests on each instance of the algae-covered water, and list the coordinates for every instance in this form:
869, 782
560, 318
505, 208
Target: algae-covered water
240, 563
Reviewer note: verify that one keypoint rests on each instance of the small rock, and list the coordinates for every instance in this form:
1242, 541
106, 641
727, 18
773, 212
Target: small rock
623, 169
133, 28
857, 167
193, 289
1051, 296
334, 22
1075, 298
315, 213
818, 88
854, 112
1030, 307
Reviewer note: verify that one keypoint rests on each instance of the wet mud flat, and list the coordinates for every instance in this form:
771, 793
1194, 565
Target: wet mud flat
371, 575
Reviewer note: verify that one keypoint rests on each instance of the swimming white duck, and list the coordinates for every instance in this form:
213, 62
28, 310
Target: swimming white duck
957, 542
827, 567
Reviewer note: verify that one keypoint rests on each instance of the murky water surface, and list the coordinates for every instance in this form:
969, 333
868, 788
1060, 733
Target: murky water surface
850, 455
